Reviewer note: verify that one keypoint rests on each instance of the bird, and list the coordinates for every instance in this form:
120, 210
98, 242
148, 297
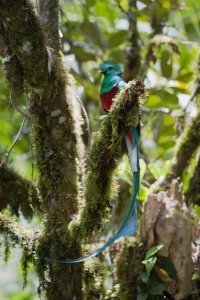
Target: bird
111, 85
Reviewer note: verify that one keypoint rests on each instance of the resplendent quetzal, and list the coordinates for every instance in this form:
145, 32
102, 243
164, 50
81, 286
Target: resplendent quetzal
111, 85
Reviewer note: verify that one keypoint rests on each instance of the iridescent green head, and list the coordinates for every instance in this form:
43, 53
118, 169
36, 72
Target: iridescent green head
111, 68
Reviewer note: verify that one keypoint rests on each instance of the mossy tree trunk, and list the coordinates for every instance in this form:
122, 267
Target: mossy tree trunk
51, 111
36, 67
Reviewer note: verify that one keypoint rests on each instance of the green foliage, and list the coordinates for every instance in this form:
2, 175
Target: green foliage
94, 31
159, 271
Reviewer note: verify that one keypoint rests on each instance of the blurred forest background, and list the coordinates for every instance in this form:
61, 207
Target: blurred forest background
156, 41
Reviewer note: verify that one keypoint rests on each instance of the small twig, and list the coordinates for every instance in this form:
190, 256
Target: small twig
146, 183
185, 217
32, 165
157, 110
13, 144
195, 92
13, 105
85, 116
130, 15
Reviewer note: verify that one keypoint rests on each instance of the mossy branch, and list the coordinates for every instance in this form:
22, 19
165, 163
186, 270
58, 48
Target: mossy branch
189, 142
17, 234
49, 11
128, 266
107, 149
14, 235
17, 193
25, 38
192, 195
56, 143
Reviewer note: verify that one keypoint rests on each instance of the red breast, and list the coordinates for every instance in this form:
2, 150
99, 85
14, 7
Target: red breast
107, 98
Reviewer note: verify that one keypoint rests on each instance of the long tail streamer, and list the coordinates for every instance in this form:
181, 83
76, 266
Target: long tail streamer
128, 226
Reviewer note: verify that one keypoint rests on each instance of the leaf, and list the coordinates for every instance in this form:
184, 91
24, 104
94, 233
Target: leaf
118, 38
168, 265
142, 296
168, 99
157, 288
163, 275
155, 171
197, 211
168, 120
144, 277
153, 101
92, 31
143, 192
166, 63
149, 263
124, 4
143, 167
154, 250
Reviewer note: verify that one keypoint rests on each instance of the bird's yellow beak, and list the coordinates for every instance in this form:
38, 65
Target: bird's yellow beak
99, 71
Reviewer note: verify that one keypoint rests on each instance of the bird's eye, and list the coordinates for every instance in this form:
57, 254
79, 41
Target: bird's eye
109, 68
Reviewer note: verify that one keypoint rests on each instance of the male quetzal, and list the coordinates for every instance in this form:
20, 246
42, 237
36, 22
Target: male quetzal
111, 85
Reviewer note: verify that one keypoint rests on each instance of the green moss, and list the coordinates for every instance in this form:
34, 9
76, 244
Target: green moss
128, 266
92, 277
16, 235
55, 142
106, 152
15, 194
192, 194
186, 148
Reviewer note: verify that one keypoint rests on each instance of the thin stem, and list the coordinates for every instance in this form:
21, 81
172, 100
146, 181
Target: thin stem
13, 144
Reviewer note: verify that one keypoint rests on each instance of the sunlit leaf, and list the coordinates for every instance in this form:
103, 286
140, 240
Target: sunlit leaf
153, 251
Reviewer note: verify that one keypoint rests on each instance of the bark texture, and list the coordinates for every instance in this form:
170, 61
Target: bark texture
161, 224
51, 112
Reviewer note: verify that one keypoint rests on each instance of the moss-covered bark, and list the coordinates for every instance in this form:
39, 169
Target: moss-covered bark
14, 235
49, 12
133, 59
17, 193
128, 267
192, 194
107, 149
51, 112
187, 146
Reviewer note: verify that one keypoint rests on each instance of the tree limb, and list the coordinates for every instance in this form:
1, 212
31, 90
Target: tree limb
107, 150
49, 11
51, 109
17, 234
15, 192
189, 142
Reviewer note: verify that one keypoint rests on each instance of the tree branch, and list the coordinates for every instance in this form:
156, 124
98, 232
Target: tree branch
192, 195
49, 11
17, 234
133, 59
26, 39
17, 193
189, 142
107, 150
51, 109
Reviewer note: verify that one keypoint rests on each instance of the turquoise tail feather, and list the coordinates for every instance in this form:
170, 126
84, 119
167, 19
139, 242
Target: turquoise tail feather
128, 226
